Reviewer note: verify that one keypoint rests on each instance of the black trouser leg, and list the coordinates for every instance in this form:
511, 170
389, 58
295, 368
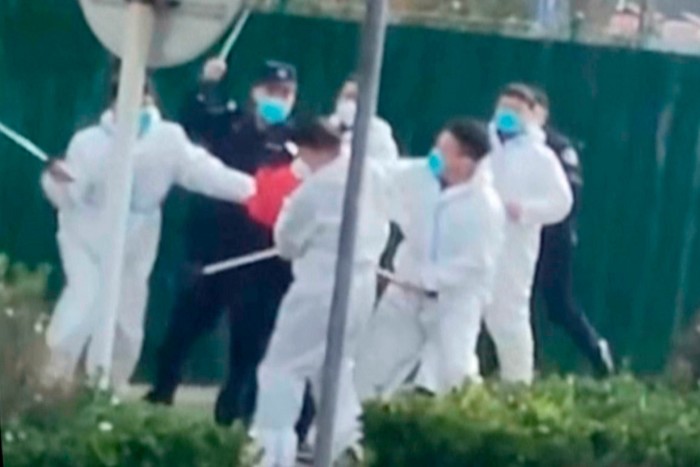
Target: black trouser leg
307, 416
555, 283
197, 311
253, 311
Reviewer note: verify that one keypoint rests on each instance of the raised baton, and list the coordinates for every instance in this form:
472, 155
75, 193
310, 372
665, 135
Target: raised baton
233, 37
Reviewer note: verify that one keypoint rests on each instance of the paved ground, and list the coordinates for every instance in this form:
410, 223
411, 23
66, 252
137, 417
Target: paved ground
198, 397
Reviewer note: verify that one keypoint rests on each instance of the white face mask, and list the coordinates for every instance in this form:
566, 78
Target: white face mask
346, 109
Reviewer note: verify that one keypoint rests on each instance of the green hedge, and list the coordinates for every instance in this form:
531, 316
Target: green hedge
559, 423
74, 426
105, 434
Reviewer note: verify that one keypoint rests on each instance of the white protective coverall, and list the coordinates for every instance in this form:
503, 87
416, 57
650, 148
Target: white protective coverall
452, 239
525, 172
164, 157
381, 147
307, 232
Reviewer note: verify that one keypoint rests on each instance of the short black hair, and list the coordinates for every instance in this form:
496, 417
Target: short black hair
520, 91
115, 68
541, 97
316, 133
472, 136
148, 88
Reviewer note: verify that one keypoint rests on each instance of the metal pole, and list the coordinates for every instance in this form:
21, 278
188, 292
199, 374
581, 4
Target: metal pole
686, 263
140, 19
372, 51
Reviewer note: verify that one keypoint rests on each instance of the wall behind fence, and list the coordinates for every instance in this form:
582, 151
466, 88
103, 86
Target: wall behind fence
637, 115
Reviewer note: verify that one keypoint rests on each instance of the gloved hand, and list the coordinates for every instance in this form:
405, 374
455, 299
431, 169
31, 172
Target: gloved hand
274, 185
58, 170
214, 70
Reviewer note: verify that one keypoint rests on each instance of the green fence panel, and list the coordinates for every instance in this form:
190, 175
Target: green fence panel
636, 115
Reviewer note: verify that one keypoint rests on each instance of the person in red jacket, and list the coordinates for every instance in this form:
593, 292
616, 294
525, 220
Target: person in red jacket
274, 185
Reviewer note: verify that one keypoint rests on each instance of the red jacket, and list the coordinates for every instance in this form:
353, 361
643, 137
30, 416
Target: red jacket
274, 185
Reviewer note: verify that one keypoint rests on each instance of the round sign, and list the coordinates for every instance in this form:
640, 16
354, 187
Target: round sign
183, 28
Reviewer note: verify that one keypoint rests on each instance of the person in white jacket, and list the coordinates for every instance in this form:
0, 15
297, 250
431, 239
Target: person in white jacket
164, 157
381, 146
535, 193
425, 328
307, 233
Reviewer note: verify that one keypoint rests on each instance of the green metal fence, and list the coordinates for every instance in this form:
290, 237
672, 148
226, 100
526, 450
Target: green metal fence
637, 115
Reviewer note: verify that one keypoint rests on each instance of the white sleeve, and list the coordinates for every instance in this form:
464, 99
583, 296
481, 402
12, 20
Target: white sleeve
398, 178
555, 197
200, 172
382, 145
65, 195
295, 224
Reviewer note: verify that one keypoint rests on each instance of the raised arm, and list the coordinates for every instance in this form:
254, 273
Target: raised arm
554, 198
207, 107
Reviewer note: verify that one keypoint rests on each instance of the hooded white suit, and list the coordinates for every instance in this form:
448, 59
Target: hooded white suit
381, 147
525, 172
452, 242
164, 157
307, 232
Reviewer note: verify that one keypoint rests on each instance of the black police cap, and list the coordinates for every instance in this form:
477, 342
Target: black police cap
273, 71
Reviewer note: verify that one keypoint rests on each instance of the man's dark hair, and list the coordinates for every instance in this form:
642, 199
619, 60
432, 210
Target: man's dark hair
472, 137
148, 88
316, 134
520, 91
541, 97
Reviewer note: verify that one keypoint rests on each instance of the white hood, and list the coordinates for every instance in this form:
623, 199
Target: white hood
108, 120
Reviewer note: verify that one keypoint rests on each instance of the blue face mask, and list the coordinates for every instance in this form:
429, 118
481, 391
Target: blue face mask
144, 122
272, 110
508, 122
436, 163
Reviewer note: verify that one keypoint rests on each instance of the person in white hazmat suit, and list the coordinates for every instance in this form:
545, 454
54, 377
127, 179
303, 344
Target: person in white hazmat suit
164, 157
535, 193
381, 146
424, 331
307, 233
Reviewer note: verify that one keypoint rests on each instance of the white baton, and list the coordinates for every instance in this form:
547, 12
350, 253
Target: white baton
240, 261
24, 143
235, 33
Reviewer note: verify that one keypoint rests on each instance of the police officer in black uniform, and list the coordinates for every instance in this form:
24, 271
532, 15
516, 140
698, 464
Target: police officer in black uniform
554, 278
247, 139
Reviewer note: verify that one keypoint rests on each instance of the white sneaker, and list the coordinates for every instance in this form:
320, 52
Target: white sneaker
353, 456
305, 454
606, 356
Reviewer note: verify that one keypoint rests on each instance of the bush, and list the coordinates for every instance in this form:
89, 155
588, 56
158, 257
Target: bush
105, 433
683, 367
558, 423
23, 319
75, 426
